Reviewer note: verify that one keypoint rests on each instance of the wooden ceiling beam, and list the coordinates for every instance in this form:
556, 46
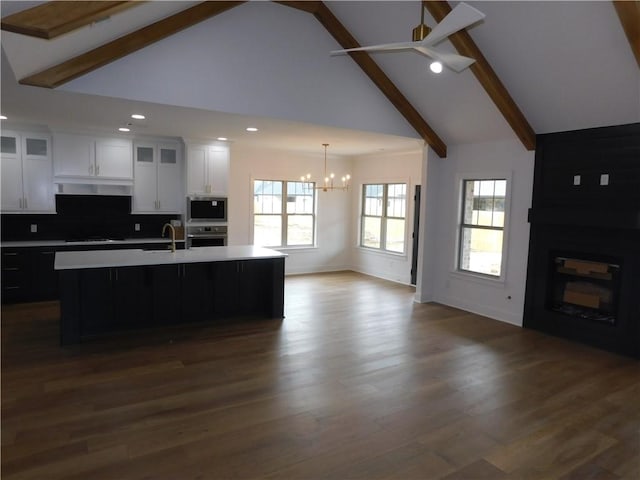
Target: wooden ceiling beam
629, 14
373, 71
487, 77
52, 19
109, 52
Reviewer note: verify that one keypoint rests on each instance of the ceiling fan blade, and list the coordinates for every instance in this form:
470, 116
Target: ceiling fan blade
455, 62
382, 47
460, 17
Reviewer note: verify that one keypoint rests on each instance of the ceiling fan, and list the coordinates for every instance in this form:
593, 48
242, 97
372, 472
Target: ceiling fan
460, 17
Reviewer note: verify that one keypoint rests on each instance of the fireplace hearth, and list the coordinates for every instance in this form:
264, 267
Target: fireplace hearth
583, 277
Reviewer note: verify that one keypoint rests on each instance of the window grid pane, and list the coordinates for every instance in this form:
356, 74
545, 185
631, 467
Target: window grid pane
284, 213
481, 230
384, 208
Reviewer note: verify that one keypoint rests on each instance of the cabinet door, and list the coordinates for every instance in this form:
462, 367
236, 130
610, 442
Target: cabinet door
132, 297
166, 294
73, 155
114, 158
226, 297
37, 174
96, 301
45, 283
145, 186
197, 292
197, 170
11, 173
252, 286
218, 171
170, 197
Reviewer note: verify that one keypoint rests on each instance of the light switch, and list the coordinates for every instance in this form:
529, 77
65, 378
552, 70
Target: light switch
34, 228
604, 179
576, 179
136, 227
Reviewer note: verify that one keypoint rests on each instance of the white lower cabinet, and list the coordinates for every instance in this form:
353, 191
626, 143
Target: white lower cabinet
26, 171
158, 178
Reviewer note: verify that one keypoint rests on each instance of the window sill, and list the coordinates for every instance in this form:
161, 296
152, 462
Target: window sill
478, 278
383, 253
295, 249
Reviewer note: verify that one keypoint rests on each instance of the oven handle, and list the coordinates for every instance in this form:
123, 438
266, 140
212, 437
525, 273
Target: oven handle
220, 235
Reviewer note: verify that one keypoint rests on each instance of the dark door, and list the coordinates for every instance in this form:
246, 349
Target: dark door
132, 298
416, 226
197, 292
167, 294
45, 277
96, 301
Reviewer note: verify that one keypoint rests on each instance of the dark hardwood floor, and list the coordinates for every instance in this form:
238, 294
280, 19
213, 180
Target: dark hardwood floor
357, 382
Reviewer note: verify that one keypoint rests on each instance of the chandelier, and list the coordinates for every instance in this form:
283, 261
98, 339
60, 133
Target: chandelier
328, 179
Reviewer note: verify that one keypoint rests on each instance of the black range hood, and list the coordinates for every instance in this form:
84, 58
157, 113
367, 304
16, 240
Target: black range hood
95, 206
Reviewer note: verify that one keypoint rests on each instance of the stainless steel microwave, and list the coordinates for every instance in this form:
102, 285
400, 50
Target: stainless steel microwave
207, 209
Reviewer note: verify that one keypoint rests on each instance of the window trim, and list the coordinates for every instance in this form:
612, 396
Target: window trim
284, 215
459, 193
383, 229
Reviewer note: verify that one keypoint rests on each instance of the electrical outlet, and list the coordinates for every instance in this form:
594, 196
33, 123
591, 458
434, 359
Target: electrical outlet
576, 179
34, 228
604, 179
136, 227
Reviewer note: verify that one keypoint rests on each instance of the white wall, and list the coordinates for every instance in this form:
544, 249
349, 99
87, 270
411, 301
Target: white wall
404, 167
333, 208
445, 285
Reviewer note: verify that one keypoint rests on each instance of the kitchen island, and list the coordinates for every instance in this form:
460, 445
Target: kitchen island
106, 291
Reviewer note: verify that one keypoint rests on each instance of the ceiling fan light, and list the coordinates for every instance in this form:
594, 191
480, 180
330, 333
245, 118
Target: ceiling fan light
436, 67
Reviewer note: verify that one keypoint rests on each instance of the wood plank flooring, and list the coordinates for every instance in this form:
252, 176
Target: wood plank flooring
357, 382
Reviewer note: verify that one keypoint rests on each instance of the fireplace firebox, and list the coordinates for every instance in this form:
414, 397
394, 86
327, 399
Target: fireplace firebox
583, 274
584, 289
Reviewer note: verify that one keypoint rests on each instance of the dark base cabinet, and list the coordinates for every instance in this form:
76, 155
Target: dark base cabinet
28, 275
106, 300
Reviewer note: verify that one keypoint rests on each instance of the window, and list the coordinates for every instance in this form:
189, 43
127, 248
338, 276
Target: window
283, 213
482, 226
384, 209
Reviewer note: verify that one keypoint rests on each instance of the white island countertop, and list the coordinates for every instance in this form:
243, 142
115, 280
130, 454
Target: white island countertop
136, 257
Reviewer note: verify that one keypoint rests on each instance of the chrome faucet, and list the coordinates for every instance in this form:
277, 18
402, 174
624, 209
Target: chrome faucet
173, 235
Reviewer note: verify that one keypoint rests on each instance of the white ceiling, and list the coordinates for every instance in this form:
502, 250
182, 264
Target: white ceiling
568, 65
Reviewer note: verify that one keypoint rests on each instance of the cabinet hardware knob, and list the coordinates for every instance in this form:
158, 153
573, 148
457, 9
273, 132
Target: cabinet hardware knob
97, 169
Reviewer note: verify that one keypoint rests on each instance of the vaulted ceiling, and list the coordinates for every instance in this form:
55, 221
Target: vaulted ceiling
540, 67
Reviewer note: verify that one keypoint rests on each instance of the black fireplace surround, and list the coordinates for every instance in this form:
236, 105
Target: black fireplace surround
583, 277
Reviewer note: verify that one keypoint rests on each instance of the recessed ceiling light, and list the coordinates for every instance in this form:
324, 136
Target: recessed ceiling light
124, 129
252, 129
223, 139
436, 67
2, 117
138, 116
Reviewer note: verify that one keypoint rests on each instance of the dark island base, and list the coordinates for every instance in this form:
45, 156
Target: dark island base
99, 301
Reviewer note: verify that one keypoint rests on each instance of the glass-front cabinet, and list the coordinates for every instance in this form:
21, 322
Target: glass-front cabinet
27, 173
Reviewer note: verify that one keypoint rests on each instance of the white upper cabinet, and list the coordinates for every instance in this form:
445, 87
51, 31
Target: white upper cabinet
207, 169
158, 178
87, 157
26, 170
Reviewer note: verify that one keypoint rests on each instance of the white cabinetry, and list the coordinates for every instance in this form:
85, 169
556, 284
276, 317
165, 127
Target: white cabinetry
158, 178
26, 172
91, 158
207, 169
